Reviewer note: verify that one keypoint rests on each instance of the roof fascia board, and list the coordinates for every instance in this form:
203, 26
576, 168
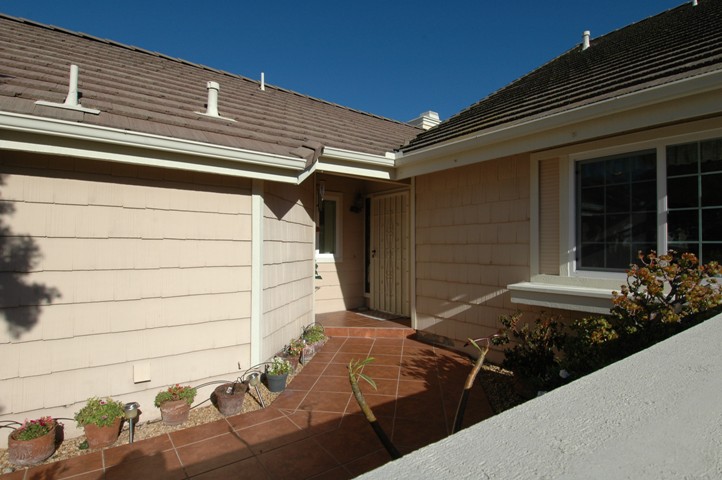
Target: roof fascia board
103, 143
357, 164
504, 140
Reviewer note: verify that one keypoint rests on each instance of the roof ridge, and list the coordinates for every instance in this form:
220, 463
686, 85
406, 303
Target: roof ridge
566, 52
192, 64
558, 78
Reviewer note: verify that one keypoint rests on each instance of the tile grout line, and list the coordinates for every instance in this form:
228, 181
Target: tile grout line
175, 450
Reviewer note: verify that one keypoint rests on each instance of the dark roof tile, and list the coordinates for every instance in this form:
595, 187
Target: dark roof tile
143, 91
679, 43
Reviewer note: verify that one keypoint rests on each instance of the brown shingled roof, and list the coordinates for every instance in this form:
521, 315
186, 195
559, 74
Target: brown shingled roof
682, 42
147, 92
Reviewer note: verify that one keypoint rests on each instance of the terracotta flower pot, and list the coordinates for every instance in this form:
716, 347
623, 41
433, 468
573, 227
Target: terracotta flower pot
99, 437
276, 383
230, 403
175, 412
31, 452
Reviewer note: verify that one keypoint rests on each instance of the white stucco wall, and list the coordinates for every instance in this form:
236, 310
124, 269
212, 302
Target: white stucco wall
655, 415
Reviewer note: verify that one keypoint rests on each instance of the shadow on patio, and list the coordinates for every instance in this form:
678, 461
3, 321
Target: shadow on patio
313, 430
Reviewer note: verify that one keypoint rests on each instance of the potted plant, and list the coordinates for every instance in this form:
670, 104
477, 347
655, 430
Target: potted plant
101, 419
33, 442
228, 397
292, 352
315, 337
175, 403
277, 374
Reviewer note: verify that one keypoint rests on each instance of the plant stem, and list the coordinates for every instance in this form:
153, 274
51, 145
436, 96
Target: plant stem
458, 420
369, 414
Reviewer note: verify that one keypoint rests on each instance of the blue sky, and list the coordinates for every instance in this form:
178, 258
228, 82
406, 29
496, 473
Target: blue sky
395, 58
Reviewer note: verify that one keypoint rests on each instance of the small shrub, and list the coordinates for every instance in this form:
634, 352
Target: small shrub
279, 366
314, 333
176, 392
32, 429
663, 295
665, 289
294, 348
99, 411
588, 345
535, 355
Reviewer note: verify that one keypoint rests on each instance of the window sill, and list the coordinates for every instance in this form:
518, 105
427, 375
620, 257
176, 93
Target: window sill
563, 297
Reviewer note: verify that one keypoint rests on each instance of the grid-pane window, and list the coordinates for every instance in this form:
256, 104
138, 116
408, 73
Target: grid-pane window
327, 227
694, 199
616, 210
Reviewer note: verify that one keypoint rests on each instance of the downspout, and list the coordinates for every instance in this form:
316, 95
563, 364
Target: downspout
257, 354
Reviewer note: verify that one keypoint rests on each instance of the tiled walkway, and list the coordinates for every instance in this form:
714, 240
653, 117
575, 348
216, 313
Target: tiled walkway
314, 429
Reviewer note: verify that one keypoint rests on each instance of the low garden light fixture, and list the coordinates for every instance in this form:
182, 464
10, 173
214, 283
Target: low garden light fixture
254, 379
131, 413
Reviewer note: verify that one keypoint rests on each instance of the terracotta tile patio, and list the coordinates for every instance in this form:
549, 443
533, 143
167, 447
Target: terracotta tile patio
314, 429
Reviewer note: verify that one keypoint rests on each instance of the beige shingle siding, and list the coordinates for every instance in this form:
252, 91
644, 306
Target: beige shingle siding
140, 265
472, 240
288, 264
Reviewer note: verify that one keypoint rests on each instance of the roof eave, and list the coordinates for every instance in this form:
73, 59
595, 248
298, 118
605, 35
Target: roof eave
504, 140
357, 164
51, 136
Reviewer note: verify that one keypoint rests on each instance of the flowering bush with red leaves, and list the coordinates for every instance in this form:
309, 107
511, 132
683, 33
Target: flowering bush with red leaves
666, 288
32, 429
176, 392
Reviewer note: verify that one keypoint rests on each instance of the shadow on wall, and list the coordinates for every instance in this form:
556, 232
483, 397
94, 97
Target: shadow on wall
20, 300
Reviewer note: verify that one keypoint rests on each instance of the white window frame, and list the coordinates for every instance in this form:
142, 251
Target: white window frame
571, 214
586, 290
338, 256
660, 145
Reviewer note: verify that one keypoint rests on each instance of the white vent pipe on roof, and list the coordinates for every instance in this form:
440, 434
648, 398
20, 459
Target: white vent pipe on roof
694, 3
212, 106
72, 99
585, 39
263, 81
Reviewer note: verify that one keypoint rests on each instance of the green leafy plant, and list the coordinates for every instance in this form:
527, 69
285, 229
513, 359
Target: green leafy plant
176, 392
279, 366
32, 429
314, 333
589, 346
99, 411
535, 354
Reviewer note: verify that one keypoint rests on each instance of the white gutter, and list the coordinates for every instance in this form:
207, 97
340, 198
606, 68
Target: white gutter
30, 133
443, 156
348, 162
